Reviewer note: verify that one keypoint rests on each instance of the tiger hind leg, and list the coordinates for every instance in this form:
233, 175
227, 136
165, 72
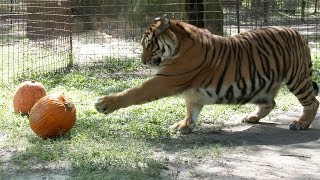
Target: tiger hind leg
261, 111
307, 98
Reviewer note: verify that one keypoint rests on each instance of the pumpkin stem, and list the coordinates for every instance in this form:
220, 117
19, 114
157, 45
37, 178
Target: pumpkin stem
68, 105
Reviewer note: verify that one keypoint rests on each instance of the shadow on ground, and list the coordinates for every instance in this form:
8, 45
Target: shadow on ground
266, 150
272, 131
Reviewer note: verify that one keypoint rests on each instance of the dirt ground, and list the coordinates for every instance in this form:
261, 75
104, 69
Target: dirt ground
267, 150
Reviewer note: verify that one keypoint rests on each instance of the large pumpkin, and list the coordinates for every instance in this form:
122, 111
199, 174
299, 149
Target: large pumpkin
26, 95
52, 116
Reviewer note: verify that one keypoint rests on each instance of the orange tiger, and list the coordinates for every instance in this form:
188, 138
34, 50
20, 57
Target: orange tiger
209, 69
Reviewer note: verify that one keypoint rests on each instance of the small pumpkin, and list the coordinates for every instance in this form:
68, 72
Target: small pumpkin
26, 95
52, 116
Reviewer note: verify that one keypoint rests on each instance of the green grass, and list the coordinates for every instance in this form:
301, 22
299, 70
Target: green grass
24, 59
97, 144
121, 145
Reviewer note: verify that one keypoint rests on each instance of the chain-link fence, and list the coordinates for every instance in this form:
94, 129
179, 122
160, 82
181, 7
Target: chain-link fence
39, 36
34, 37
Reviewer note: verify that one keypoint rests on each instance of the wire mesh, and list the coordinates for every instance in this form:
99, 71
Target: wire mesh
111, 30
107, 32
34, 37
39, 36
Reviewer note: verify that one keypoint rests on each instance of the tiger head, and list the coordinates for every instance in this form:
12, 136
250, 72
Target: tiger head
158, 42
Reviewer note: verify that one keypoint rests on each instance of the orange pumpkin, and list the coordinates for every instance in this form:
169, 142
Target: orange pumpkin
52, 116
26, 95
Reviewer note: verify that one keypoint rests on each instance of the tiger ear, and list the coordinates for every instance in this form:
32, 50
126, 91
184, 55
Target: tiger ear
164, 25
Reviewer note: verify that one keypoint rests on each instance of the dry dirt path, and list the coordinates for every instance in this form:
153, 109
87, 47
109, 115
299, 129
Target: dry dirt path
267, 150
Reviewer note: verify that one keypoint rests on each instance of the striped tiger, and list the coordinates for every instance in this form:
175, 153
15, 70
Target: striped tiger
208, 69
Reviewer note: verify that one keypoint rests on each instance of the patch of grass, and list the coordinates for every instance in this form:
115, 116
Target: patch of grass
25, 59
97, 145
121, 145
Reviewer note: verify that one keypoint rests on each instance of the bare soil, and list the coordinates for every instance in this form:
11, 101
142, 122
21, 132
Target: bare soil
266, 150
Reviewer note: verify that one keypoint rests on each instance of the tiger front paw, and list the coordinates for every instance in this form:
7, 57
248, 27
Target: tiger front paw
107, 104
185, 126
250, 119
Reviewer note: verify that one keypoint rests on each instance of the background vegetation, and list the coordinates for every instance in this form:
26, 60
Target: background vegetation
140, 12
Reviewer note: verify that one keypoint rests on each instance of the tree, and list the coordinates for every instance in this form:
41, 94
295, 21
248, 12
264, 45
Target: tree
261, 8
195, 12
214, 15
303, 8
315, 6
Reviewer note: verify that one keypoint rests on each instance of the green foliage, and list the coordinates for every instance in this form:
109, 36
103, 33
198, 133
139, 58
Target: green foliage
140, 12
143, 11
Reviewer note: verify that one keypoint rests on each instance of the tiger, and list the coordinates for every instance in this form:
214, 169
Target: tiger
205, 69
